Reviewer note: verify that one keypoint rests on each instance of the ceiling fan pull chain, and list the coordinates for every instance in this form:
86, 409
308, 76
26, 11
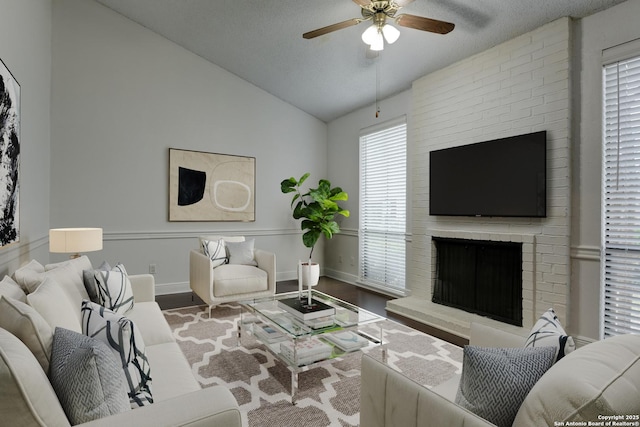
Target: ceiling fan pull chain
377, 86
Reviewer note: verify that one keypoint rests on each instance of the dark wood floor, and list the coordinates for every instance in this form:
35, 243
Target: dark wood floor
367, 299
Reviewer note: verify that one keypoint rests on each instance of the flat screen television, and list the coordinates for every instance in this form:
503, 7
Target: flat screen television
505, 177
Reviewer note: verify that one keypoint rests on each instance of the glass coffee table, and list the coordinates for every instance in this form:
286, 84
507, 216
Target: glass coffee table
330, 332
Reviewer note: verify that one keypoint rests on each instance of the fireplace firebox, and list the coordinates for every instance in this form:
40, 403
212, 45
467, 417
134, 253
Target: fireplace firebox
478, 276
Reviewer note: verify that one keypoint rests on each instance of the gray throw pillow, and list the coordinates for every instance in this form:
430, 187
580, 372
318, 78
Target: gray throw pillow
86, 377
241, 252
495, 381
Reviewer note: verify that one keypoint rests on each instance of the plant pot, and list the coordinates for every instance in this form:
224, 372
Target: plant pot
310, 276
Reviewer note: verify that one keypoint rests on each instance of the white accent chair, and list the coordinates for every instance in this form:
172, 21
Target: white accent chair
231, 282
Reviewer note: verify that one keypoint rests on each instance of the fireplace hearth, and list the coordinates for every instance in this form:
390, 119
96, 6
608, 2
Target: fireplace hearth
479, 276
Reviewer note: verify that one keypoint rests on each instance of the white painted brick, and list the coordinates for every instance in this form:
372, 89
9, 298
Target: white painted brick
517, 87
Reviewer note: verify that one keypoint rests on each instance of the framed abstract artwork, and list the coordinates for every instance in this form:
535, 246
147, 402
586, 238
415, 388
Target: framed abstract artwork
9, 157
211, 187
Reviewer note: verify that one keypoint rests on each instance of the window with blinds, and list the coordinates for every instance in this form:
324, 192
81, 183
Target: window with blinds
621, 198
383, 202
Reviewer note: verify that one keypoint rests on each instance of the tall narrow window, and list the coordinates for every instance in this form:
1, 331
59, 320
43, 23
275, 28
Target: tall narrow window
383, 205
621, 198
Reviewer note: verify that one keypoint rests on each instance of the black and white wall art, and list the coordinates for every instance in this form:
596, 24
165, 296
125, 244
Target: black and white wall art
211, 187
9, 157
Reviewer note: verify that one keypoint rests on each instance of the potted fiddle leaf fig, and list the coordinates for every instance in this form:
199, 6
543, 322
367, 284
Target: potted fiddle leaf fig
317, 208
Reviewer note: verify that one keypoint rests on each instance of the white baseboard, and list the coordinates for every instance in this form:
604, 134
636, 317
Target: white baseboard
172, 288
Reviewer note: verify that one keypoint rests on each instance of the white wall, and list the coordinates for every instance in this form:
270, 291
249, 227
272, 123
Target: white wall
122, 96
25, 48
344, 170
593, 34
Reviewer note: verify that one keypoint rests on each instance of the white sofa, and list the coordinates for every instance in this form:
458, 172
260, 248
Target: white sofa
598, 380
27, 398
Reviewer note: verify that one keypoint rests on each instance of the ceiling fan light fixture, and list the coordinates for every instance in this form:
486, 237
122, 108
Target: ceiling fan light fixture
391, 33
370, 34
378, 43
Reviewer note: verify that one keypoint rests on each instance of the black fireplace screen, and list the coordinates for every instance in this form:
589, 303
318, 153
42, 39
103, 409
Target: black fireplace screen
480, 277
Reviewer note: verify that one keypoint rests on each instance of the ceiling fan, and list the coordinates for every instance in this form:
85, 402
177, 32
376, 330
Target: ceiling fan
378, 12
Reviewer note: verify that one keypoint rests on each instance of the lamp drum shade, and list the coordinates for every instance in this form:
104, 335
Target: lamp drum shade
75, 240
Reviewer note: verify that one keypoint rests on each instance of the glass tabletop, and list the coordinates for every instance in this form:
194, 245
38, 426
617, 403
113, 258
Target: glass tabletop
331, 313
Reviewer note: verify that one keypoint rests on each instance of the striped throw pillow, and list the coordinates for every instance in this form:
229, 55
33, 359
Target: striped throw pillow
125, 340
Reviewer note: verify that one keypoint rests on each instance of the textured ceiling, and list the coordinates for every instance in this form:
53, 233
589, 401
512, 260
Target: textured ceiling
329, 76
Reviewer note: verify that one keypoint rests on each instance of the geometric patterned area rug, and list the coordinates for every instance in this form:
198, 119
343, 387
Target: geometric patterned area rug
328, 395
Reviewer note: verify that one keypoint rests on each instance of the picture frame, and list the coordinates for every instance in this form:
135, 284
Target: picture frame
207, 186
9, 157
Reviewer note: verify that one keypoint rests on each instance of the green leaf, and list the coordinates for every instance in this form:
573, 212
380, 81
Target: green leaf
310, 238
341, 195
303, 178
345, 213
287, 185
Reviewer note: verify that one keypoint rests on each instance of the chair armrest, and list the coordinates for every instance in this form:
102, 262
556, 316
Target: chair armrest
144, 287
210, 406
201, 275
267, 262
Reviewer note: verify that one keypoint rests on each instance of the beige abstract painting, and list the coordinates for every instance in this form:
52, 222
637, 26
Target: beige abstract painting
211, 187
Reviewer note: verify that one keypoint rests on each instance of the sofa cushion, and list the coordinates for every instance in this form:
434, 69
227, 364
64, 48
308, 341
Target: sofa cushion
10, 289
66, 275
548, 332
599, 379
114, 289
54, 306
22, 274
125, 340
239, 279
241, 252
79, 264
495, 381
86, 377
216, 251
26, 396
26, 323
176, 378
151, 323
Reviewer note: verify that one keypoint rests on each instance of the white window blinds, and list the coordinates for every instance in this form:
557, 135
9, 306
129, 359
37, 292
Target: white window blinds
621, 193
383, 189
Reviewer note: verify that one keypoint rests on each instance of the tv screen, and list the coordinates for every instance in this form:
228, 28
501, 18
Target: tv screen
504, 177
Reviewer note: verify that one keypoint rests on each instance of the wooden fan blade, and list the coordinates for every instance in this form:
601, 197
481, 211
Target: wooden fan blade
424, 24
362, 3
330, 28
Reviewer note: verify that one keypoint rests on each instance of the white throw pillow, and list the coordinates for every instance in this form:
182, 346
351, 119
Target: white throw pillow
114, 289
125, 340
24, 273
216, 251
9, 288
54, 306
548, 332
29, 326
27, 395
241, 252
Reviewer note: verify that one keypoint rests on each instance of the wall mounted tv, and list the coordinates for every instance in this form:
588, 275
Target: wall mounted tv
504, 177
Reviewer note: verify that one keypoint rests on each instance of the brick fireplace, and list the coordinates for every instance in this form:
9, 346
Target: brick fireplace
518, 87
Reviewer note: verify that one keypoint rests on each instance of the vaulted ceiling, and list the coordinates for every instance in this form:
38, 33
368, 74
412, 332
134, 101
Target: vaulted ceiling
331, 75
